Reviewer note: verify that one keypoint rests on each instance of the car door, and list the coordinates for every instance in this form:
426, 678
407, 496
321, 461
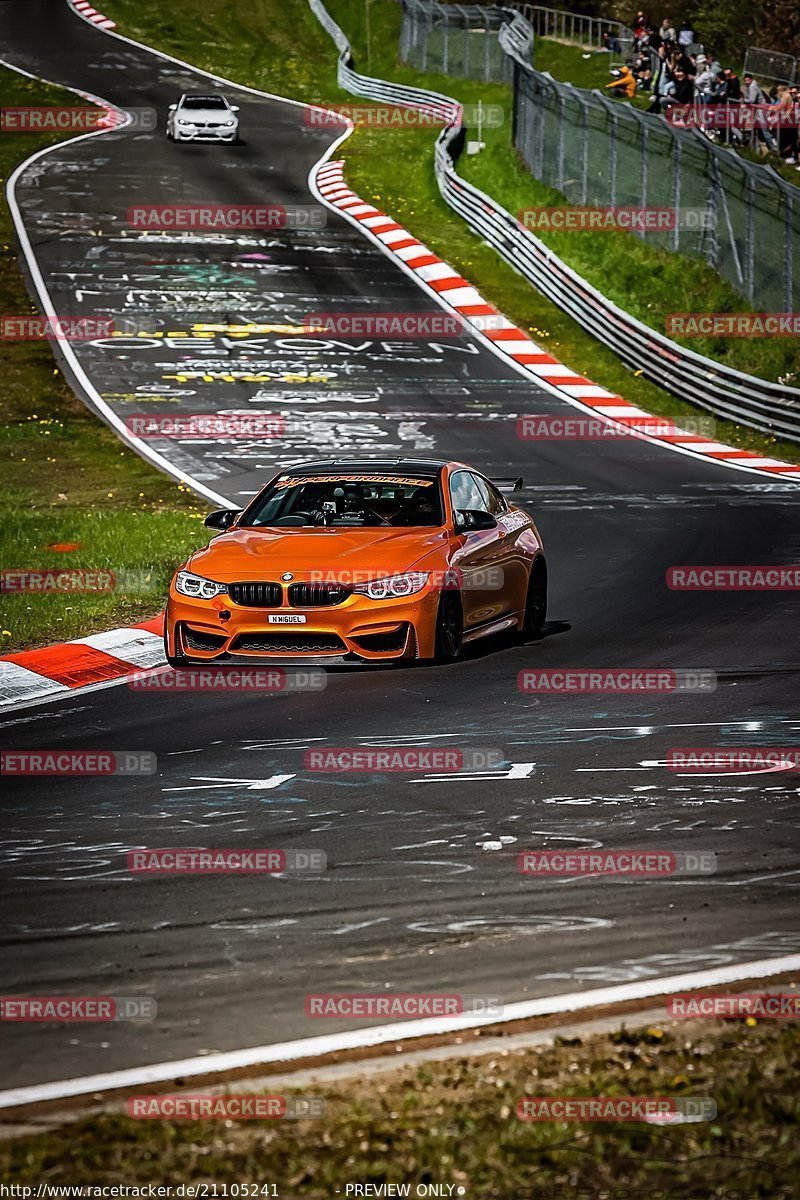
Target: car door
511, 560
476, 554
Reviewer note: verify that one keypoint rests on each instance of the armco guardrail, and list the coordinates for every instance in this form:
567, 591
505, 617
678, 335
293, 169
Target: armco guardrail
575, 28
757, 403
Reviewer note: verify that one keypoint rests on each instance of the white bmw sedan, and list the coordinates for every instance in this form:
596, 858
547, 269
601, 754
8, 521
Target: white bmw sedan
202, 118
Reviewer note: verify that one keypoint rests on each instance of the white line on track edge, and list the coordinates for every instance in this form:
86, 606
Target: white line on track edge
402, 1031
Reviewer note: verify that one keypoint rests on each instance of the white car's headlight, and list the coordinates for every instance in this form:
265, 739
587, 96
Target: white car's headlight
182, 122
231, 122
197, 587
393, 587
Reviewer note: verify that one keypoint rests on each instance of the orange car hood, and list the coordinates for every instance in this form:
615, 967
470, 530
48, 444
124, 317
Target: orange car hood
251, 554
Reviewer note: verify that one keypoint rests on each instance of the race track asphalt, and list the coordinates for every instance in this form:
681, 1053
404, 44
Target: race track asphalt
421, 890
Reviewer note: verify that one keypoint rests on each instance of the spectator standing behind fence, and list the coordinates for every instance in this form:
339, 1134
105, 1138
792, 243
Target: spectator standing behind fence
729, 88
728, 93
642, 71
666, 31
641, 24
685, 35
753, 94
683, 87
704, 80
787, 128
663, 85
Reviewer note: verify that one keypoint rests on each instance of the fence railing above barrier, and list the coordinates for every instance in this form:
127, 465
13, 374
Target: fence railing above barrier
575, 28
770, 66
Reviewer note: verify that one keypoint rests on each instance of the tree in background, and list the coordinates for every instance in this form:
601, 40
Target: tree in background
778, 26
728, 27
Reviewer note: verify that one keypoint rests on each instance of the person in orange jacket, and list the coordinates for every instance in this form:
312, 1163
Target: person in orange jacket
623, 83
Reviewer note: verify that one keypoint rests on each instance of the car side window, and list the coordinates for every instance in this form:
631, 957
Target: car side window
493, 502
465, 493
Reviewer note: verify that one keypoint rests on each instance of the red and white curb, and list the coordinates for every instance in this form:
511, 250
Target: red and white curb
102, 658
513, 343
84, 9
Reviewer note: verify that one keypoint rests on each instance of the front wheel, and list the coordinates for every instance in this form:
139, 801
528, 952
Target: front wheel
449, 627
178, 662
536, 600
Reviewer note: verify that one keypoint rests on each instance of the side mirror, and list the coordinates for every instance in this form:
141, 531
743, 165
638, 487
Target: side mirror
469, 519
222, 518
172, 107
234, 108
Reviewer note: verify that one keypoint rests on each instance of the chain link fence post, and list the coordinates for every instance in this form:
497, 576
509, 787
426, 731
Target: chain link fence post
750, 243
788, 262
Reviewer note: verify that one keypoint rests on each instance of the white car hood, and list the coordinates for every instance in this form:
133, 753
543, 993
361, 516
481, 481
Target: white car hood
206, 116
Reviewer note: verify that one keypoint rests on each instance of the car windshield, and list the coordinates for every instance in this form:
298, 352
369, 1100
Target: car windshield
204, 102
365, 501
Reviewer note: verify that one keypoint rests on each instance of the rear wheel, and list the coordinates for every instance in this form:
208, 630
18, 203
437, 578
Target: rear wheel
536, 601
449, 627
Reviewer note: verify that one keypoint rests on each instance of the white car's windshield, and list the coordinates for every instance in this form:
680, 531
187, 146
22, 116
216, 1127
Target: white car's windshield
204, 102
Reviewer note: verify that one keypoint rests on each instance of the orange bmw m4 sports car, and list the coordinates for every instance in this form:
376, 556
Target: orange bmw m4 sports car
358, 562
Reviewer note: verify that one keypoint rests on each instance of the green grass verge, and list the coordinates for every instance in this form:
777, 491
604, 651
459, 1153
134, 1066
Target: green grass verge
66, 479
259, 45
573, 64
455, 1123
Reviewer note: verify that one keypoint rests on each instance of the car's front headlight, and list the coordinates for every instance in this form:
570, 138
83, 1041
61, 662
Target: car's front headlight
231, 122
197, 587
393, 587
181, 121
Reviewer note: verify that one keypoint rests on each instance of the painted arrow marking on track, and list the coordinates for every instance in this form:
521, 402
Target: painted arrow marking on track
216, 781
515, 771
